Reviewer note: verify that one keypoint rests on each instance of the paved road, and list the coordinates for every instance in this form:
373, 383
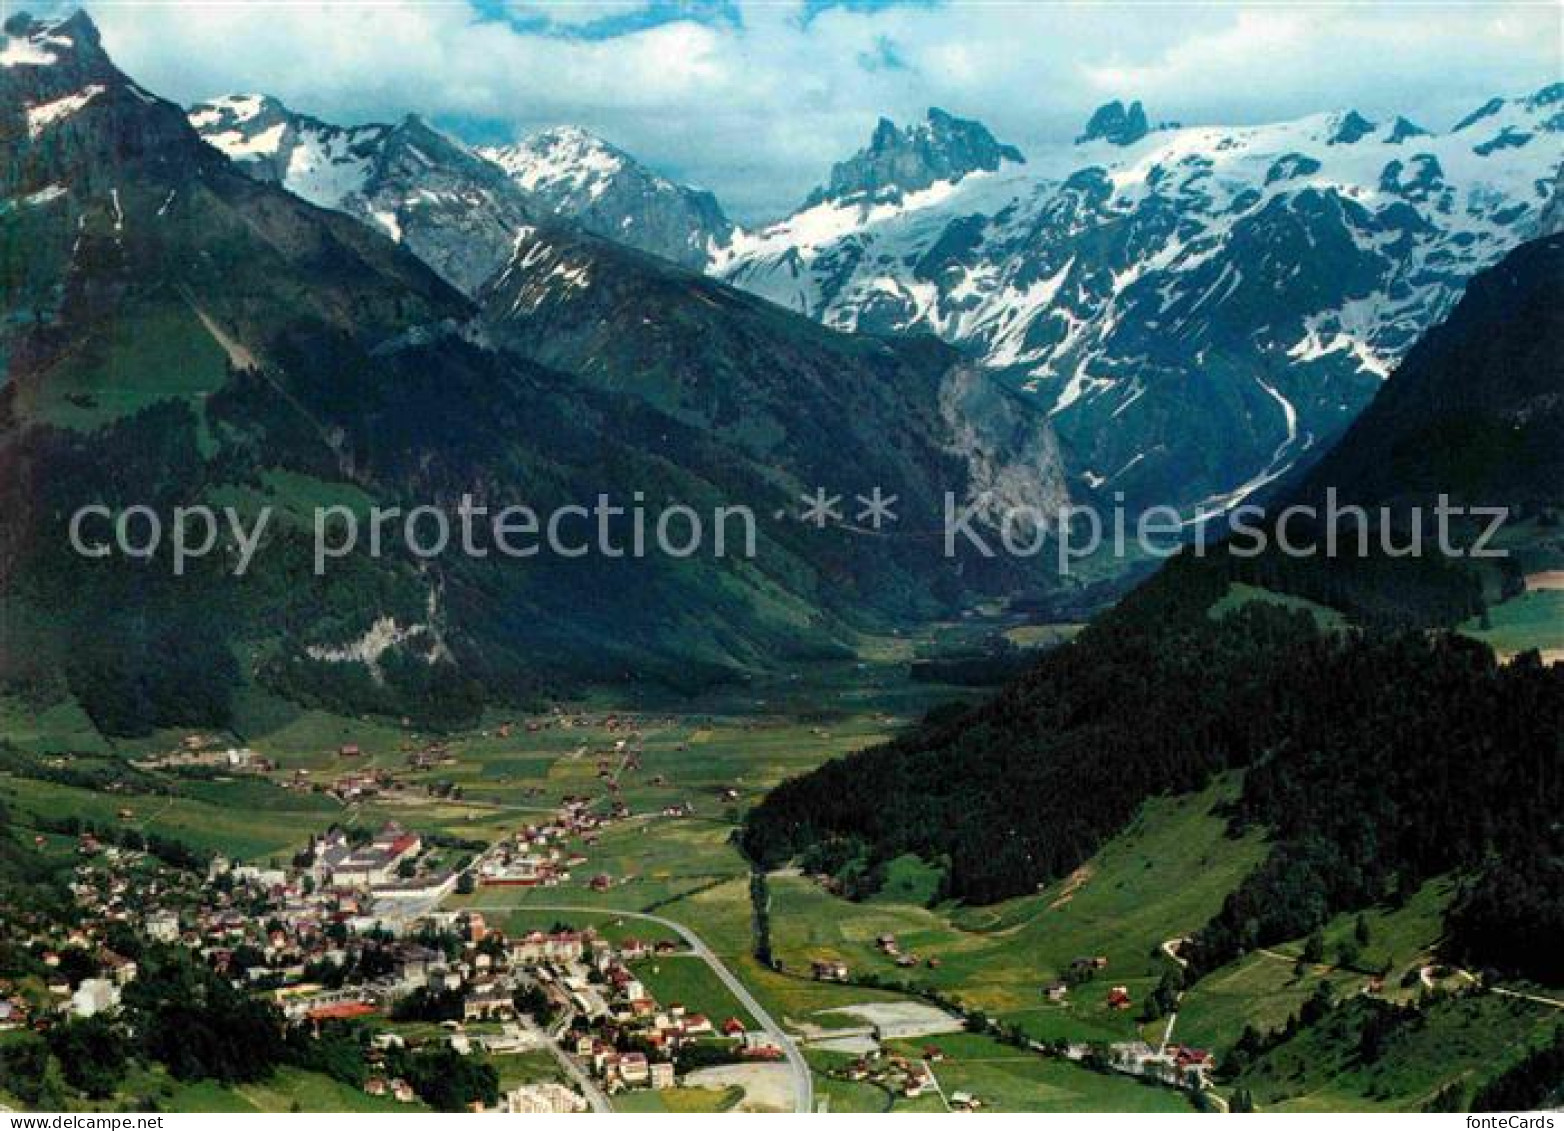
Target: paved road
938, 1087
594, 1095
803, 1082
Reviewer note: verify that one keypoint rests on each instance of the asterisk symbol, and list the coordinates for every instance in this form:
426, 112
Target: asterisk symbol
877, 508
821, 508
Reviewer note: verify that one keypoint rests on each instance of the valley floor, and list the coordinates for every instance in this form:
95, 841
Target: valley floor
958, 990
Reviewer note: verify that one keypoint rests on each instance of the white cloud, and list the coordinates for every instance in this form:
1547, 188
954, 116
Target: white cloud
758, 108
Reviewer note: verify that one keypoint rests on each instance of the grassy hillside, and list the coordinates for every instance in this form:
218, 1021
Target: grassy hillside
1452, 1044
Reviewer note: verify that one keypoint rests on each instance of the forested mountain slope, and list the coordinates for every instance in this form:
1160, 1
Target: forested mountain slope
179, 332
1375, 758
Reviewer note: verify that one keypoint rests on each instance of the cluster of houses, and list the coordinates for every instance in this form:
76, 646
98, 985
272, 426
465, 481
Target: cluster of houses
832, 969
436, 754
889, 947
537, 856
611, 1021
902, 1075
198, 751
621, 1033
337, 862
268, 927
114, 888
1179, 1066
351, 929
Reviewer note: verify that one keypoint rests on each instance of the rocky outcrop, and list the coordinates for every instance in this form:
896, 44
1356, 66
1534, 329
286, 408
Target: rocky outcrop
897, 161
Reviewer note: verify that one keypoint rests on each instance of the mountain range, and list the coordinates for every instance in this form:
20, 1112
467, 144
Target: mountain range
181, 327
1200, 310
1160, 313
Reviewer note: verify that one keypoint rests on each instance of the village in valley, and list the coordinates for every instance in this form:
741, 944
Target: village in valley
549, 914
352, 929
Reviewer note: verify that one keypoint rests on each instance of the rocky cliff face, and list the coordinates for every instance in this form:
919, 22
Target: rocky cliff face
899, 161
1113, 123
1551, 221
1012, 456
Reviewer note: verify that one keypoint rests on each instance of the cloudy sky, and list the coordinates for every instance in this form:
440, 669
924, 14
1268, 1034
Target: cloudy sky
756, 98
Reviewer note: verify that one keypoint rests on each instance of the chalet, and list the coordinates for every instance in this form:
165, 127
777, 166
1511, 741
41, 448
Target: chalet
662, 1075
1186, 1057
829, 970
121, 969
634, 1069
1119, 998
733, 1027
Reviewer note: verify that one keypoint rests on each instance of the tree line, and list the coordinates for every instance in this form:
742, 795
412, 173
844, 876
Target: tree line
1377, 758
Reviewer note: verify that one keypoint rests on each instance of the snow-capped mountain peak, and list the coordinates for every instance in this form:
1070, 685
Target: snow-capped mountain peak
1200, 308
577, 175
421, 187
564, 160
